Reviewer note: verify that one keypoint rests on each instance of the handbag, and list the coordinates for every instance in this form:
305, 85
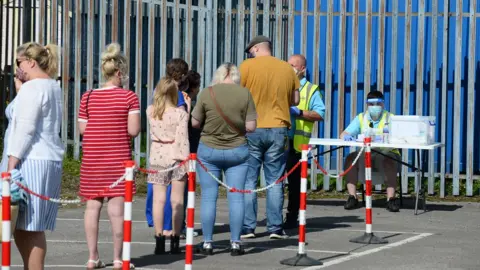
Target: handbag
219, 110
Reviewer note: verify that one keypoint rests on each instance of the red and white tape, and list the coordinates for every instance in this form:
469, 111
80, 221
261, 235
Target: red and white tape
6, 221
232, 189
127, 214
151, 171
303, 200
84, 199
325, 172
368, 185
190, 212
67, 201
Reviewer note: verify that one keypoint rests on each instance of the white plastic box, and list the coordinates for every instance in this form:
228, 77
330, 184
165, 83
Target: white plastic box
412, 129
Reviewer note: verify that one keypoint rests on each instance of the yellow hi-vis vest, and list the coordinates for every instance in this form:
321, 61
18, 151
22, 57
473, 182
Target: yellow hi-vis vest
364, 124
303, 128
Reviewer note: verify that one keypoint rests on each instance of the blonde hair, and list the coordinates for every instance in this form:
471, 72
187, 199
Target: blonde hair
166, 90
113, 60
46, 56
224, 71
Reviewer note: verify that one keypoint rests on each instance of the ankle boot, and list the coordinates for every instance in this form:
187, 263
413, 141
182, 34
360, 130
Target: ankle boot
160, 245
174, 244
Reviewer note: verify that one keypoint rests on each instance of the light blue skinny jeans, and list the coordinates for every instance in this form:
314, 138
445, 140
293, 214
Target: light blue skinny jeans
234, 163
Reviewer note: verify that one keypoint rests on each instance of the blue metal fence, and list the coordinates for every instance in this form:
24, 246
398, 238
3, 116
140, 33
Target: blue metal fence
423, 54
408, 60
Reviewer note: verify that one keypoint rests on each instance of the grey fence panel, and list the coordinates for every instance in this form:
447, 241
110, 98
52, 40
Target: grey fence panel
65, 66
419, 60
341, 83
406, 84
471, 96
444, 94
328, 88
456, 96
316, 78
433, 89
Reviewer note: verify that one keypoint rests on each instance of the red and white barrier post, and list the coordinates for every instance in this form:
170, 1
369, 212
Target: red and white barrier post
127, 214
6, 221
302, 259
190, 211
368, 237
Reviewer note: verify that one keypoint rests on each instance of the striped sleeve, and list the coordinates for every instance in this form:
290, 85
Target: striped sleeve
82, 112
133, 103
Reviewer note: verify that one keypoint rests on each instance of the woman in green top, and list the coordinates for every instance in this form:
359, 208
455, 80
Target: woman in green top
227, 112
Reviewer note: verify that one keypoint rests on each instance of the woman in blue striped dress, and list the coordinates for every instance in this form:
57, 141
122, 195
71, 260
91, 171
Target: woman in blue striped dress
35, 148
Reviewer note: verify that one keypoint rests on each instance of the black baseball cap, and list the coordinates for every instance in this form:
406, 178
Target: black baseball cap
256, 40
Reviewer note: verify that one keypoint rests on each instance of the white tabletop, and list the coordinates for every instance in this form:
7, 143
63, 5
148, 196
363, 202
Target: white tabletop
339, 142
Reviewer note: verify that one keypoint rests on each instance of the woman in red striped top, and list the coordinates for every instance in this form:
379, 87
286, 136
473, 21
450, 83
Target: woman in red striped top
108, 118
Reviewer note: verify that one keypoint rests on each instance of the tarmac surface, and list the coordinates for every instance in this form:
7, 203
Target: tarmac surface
447, 236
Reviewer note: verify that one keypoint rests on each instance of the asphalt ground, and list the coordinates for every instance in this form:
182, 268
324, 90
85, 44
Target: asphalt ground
447, 236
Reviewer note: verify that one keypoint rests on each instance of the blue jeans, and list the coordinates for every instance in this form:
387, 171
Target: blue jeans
234, 163
267, 146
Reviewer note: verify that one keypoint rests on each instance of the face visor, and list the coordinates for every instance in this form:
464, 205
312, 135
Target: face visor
375, 102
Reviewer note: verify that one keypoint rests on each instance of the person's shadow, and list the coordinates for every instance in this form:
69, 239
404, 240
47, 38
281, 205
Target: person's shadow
262, 243
164, 259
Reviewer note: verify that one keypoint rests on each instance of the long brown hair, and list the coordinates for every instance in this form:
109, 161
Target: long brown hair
177, 69
166, 89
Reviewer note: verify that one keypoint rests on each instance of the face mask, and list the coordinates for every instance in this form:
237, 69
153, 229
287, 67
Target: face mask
21, 75
375, 111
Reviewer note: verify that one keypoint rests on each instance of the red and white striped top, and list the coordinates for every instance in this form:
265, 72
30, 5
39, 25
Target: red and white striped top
106, 143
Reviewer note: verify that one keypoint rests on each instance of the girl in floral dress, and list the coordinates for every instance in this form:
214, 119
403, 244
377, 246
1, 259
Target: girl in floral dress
170, 146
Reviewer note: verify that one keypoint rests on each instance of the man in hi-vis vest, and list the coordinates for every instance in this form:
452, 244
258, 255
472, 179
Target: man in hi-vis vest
303, 116
376, 118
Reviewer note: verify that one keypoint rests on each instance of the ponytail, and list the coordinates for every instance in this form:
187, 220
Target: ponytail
52, 60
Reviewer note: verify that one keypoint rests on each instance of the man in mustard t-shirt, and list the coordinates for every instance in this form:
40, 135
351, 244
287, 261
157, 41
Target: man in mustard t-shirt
274, 88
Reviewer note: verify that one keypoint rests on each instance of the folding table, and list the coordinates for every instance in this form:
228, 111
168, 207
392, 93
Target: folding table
420, 192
